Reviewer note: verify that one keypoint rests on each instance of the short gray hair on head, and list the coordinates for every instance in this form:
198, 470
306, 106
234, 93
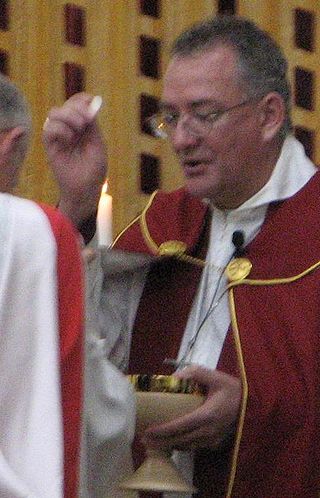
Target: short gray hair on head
262, 65
14, 111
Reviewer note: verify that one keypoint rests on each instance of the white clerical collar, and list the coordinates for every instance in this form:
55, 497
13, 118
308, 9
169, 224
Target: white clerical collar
291, 172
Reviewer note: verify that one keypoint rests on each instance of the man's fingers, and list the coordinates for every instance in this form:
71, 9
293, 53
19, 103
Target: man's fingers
72, 118
214, 412
212, 379
201, 437
221, 402
180, 425
57, 131
85, 104
76, 113
211, 422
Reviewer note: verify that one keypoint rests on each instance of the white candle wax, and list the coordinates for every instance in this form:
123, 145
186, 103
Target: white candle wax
104, 218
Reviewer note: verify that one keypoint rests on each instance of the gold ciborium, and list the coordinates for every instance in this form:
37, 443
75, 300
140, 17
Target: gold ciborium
161, 398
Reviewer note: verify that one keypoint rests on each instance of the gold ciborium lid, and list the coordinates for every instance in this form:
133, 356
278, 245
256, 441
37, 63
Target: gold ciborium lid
163, 384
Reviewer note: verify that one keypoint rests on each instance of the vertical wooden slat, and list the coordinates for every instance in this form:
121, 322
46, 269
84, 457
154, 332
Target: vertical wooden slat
4, 14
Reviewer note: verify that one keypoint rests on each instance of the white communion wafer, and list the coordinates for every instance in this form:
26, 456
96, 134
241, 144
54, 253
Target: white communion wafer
95, 105
45, 124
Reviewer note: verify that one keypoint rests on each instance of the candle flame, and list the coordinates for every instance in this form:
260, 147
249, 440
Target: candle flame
104, 187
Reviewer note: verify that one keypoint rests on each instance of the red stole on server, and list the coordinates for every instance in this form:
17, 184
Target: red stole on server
71, 324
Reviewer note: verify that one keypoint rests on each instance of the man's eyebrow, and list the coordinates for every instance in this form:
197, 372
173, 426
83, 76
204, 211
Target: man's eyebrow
200, 102
163, 106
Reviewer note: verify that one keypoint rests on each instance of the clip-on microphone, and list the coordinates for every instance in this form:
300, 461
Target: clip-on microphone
238, 241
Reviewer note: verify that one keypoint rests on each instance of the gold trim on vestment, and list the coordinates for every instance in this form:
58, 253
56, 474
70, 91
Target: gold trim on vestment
273, 281
244, 399
168, 248
144, 227
124, 230
238, 269
240, 358
152, 245
171, 248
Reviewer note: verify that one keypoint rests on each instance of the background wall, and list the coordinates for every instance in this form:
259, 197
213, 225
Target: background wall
119, 49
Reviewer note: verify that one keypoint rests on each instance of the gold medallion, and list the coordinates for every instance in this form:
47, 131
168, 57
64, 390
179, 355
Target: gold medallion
172, 248
238, 269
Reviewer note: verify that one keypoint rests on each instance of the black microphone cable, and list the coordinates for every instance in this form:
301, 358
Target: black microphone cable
238, 239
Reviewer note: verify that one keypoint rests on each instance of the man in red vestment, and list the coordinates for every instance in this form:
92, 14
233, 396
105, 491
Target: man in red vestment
228, 275
41, 329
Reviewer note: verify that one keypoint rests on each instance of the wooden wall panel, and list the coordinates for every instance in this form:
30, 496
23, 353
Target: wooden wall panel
301, 59
110, 57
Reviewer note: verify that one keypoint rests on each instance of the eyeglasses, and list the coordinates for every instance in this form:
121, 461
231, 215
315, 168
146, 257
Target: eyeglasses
198, 122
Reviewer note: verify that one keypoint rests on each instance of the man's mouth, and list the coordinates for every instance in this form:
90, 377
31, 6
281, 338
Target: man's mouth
192, 163
194, 166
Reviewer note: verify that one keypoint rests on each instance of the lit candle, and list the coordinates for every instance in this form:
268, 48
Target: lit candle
104, 217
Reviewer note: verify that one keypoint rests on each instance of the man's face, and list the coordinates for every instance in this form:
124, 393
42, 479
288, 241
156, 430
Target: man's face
225, 164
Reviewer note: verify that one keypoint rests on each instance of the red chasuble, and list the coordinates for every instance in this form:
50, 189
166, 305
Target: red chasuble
272, 344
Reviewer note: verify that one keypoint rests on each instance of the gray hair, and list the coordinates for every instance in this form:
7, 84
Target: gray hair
14, 111
262, 65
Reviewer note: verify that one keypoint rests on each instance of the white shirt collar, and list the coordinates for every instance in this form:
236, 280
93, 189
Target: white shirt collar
291, 172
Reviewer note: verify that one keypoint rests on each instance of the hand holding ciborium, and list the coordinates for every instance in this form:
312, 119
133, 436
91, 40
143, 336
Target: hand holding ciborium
160, 399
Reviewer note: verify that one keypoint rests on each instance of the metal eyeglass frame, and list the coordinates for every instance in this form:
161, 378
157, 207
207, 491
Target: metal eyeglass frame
201, 126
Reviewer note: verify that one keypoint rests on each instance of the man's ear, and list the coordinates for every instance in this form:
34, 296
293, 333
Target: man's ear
273, 115
9, 139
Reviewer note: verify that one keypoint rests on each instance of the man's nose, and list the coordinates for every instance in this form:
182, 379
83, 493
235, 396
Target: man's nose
182, 137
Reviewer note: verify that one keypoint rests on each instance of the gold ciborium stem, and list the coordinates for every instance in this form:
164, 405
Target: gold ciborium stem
158, 473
